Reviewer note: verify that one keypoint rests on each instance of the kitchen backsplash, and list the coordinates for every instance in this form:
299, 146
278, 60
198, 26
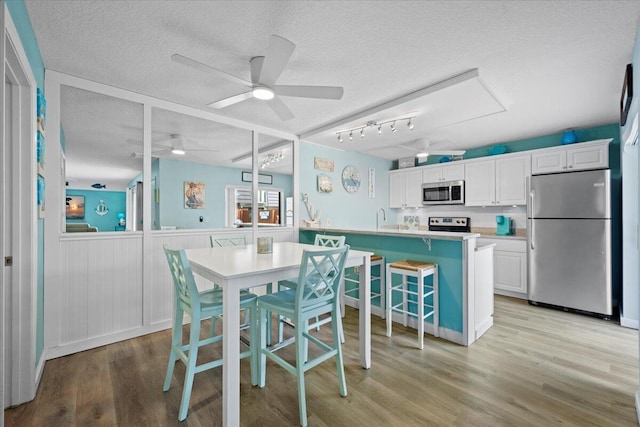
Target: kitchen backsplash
480, 217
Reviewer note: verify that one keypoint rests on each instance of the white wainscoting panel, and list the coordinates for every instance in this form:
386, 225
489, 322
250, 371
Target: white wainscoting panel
100, 287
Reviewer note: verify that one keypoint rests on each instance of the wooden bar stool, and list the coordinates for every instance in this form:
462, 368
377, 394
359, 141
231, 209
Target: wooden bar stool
419, 270
380, 278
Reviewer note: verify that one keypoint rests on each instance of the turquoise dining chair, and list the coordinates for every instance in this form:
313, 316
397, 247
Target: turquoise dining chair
200, 305
315, 293
320, 240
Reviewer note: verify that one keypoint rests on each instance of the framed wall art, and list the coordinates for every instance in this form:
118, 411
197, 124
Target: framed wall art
324, 183
194, 196
262, 178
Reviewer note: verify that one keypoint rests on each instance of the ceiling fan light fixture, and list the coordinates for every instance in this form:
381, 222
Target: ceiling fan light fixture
263, 93
422, 154
178, 151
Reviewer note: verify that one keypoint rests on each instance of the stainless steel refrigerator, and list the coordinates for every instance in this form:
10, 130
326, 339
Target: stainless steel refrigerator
569, 241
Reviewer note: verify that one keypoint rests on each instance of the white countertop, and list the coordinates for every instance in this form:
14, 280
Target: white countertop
441, 235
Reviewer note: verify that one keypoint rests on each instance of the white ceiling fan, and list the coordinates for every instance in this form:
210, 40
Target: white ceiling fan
173, 144
265, 71
422, 148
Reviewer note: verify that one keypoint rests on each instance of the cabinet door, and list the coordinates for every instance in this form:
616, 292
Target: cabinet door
396, 190
511, 180
592, 157
549, 161
413, 189
480, 187
432, 174
511, 271
453, 172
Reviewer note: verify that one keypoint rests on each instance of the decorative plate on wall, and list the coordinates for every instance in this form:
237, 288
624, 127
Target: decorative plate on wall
350, 179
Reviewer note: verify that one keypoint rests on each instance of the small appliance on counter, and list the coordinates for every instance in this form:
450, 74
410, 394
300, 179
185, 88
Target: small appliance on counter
504, 224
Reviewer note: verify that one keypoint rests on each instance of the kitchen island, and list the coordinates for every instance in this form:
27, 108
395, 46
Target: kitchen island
462, 286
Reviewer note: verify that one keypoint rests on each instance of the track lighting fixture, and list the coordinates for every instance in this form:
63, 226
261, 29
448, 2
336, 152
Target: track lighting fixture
391, 123
271, 159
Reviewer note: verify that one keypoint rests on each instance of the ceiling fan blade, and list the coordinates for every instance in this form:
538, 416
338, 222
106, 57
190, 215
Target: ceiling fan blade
195, 156
446, 152
277, 57
207, 69
323, 92
256, 67
230, 100
280, 109
206, 150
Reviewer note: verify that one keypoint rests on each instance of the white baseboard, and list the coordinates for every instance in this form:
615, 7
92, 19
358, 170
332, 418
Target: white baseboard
75, 347
510, 293
628, 323
484, 327
40, 367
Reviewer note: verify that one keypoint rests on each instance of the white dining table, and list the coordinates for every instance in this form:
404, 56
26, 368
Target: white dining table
239, 267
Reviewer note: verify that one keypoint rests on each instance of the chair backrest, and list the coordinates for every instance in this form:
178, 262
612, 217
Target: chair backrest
320, 276
228, 240
186, 291
329, 241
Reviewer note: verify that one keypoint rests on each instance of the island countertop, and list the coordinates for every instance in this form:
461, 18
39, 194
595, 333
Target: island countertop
440, 235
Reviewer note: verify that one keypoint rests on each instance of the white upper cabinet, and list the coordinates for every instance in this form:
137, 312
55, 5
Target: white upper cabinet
438, 173
582, 156
405, 189
499, 182
511, 180
480, 183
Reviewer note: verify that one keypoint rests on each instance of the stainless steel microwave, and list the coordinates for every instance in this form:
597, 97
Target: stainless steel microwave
443, 193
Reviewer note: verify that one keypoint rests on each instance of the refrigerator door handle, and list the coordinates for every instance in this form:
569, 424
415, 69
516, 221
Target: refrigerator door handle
532, 234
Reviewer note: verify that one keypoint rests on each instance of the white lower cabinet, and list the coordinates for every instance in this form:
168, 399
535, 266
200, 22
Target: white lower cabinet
510, 266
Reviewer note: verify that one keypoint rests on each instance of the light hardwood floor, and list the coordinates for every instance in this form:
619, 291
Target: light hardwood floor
534, 367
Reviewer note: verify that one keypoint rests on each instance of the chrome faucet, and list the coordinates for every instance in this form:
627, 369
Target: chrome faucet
384, 217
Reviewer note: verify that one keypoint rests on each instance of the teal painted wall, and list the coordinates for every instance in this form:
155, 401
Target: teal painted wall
171, 177
114, 200
446, 253
21, 20
345, 210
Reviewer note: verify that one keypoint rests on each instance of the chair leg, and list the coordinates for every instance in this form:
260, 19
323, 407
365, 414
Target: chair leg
342, 382
340, 328
255, 347
389, 301
436, 304
194, 338
176, 340
269, 316
405, 300
280, 328
301, 356
342, 300
383, 300
420, 311
262, 359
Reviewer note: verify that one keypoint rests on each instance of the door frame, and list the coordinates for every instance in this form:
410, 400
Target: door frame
22, 295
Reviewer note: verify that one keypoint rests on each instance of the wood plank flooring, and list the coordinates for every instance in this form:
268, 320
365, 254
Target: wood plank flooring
534, 367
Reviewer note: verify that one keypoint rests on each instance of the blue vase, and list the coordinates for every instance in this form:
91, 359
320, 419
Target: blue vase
569, 137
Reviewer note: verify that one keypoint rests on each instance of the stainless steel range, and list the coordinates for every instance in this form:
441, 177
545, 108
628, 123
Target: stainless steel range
450, 223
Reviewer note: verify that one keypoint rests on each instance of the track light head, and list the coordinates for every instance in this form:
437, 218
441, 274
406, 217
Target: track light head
379, 129
362, 133
410, 125
340, 139
393, 127
351, 136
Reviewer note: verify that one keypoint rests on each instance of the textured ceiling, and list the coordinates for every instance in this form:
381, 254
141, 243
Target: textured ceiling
552, 65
